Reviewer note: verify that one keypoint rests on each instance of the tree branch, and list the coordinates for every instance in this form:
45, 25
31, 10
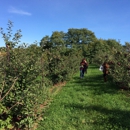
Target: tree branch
9, 89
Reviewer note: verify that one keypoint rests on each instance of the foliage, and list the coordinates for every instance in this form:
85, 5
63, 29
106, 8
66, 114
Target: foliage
60, 67
73, 37
80, 36
20, 85
118, 58
120, 68
104, 50
45, 43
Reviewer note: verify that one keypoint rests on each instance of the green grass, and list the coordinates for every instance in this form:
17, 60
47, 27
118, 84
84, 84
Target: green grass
88, 104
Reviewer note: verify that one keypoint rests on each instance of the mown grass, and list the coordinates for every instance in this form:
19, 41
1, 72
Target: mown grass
88, 104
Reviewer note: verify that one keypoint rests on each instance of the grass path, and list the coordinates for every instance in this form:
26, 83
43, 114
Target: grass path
88, 104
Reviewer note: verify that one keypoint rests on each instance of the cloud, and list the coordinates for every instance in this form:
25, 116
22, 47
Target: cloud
17, 11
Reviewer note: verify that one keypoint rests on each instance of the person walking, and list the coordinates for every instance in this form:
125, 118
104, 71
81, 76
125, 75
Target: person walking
83, 67
81, 70
105, 70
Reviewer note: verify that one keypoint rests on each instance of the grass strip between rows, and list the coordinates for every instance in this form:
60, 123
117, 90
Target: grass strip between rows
88, 104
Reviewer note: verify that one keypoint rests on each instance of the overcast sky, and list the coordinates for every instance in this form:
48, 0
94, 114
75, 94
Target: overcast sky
108, 19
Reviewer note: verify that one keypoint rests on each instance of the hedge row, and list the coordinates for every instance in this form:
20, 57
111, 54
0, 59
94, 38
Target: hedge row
26, 75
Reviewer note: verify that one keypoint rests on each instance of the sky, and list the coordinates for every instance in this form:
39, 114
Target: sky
108, 19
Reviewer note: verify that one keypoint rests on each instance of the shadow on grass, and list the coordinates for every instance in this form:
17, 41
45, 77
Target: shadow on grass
95, 84
115, 117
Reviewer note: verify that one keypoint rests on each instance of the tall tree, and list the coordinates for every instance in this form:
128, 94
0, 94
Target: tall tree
45, 43
80, 36
58, 38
